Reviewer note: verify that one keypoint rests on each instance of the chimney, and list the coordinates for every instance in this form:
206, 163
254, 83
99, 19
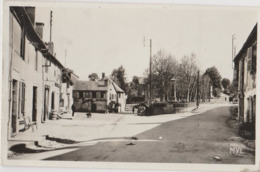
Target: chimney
103, 75
39, 29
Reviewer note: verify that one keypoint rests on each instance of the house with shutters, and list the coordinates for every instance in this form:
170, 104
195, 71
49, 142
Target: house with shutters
102, 94
245, 72
32, 75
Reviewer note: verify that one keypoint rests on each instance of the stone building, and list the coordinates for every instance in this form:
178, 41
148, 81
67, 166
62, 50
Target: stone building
31, 73
245, 72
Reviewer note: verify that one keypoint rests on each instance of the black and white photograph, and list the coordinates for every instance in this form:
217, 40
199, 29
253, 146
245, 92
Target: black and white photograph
129, 86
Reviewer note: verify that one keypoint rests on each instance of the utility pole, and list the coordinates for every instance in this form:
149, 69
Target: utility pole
209, 90
50, 25
150, 73
233, 50
198, 89
65, 58
150, 70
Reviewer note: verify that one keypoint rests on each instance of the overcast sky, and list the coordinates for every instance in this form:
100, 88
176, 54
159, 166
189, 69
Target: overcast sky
101, 38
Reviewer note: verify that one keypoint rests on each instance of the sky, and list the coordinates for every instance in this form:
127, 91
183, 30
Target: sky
100, 38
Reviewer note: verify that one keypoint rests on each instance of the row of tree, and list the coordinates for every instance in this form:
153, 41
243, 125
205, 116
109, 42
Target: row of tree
165, 69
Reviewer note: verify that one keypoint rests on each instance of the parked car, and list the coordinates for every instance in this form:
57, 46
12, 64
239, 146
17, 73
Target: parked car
142, 109
235, 100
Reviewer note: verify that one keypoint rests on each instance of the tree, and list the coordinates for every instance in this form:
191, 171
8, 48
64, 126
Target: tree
205, 87
186, 77
225, 83
119, 77
215, 79
93, 77
164, 67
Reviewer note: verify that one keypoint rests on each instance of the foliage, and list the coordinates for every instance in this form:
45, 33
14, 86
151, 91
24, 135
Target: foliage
93, 77
164, 67
186, 77
214, 76
205, 87
119, 77
225, 83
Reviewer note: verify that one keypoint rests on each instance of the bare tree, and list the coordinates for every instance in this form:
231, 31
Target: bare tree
186, 76
164, 67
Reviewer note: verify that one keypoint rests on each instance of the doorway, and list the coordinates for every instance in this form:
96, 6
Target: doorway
46, 104
34, 104
52, 101
93, 107
14, 106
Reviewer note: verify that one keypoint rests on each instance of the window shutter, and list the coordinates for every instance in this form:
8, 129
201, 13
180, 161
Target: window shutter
254, 53
249, 59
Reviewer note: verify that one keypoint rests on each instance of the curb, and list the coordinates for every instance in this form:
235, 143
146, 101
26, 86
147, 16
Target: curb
26, 143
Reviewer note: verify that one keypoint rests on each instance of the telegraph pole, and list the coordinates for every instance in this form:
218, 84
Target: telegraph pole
233, 53
150, 69
50, 25
65, 64
150, 73
198, 89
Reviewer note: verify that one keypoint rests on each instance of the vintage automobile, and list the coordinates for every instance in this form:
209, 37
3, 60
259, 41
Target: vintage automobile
235, 101
142, 109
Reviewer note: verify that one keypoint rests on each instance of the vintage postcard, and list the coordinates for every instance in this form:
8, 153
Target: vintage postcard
130, 86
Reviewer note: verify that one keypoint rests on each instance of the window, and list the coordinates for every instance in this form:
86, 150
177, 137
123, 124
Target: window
249, 59
22, 44
23, 98
18, 38
36, 60
98, 95
254, 54
103, 95
94, 95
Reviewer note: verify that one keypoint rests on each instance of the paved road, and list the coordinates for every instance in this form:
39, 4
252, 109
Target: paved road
196, 139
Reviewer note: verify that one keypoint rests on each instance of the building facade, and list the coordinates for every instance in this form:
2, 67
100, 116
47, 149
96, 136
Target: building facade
31, 73
245, 72
102, 94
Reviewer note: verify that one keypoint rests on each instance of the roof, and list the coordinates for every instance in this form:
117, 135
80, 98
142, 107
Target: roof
250, 40
96, 85
21, 15
90, 86
117, 88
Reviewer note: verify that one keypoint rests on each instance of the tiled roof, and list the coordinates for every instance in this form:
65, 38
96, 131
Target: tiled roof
117, 88
90, 86
96, 85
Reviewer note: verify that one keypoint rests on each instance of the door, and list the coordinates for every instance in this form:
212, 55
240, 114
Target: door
52, 101
93, 107
34, 104
46, 104
14, 106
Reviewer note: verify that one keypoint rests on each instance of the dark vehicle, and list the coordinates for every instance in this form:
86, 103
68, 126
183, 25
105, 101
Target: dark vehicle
235, 100
142, 109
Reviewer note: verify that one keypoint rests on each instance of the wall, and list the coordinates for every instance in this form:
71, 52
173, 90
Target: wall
52, 80
25, 71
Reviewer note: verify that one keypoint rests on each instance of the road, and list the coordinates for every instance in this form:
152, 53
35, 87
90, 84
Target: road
195, 139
